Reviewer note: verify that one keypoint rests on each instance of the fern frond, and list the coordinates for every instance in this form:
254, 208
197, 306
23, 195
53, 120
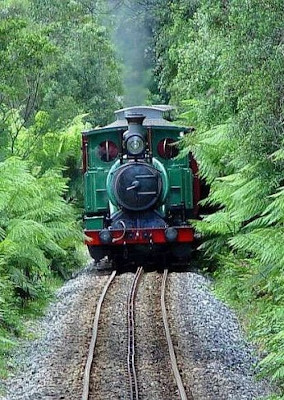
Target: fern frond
265, 243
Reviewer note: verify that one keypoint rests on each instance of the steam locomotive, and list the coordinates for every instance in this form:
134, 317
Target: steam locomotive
139, 195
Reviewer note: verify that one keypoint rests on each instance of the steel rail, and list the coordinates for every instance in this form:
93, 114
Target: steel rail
87, 372
131, 337
177, 376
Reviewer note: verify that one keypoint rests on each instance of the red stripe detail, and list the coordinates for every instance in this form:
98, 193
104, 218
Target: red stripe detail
196, 185
141, 236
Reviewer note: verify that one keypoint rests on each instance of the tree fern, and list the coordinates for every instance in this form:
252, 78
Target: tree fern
37, 224
227, 86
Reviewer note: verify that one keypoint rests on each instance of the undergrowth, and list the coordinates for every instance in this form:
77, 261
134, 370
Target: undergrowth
258, 302
16, 320
222, 63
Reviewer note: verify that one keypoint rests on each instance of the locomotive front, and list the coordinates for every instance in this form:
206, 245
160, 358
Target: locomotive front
138, 196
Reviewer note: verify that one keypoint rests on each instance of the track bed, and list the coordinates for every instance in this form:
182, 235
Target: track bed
212, 357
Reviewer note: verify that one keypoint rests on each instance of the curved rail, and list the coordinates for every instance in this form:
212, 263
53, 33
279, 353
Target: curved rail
131, 338
178, 379
86, 379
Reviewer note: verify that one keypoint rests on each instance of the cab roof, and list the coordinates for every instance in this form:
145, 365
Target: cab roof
155, 116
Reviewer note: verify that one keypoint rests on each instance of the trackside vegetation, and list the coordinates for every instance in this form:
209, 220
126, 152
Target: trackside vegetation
222, 63
58, 76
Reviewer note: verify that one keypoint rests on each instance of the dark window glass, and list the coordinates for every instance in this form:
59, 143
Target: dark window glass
167, 149
107, 151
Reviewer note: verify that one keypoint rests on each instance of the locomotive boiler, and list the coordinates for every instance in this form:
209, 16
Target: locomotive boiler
139, 195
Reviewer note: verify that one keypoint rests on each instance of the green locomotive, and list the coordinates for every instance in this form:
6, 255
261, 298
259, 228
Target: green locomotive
138, 194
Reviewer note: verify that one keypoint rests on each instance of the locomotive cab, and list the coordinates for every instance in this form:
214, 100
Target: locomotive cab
138, 194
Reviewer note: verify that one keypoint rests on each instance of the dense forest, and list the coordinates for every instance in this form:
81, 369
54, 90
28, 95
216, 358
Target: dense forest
221, 63
59, 75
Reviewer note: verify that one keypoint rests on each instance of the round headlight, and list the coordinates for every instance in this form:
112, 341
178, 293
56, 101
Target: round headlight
135, 145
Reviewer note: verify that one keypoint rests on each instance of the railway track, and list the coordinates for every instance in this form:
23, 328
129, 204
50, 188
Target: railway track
175, 369
134, 395
131, 342
87, 372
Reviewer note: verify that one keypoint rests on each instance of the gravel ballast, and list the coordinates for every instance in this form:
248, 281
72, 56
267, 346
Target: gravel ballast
155, 376
52, 366
215, 361
108, 376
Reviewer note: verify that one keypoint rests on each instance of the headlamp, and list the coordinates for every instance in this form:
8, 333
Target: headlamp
135, 145
135, 137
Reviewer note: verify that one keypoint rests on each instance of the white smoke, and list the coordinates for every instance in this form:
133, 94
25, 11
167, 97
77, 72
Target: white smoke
131, 38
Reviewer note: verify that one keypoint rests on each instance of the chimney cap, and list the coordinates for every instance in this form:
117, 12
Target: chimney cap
134, 118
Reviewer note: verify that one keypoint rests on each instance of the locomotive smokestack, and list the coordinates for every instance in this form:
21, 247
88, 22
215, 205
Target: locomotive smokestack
135, 136
134, 120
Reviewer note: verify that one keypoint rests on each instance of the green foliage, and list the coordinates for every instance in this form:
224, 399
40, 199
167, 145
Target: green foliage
58, 71
87, 78
47, 149
61, 64
36, 224
39, 235
222, 62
